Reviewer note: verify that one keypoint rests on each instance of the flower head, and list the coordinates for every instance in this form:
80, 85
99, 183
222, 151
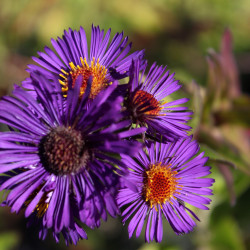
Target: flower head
147, 105
105, 61
167, 177
59, 157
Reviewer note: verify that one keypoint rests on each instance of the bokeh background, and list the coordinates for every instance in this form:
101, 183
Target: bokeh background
207, 44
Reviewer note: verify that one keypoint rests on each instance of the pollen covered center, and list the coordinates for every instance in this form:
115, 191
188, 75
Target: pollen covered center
160, 184
63, 151
97, 71
144, 104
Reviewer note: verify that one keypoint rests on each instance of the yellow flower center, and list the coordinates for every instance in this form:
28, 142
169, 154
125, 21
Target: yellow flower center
42, 205
160, 184
97, 71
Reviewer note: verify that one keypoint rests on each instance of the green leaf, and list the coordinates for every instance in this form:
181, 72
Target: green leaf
235, 115
221, 150
8, 240
226, 234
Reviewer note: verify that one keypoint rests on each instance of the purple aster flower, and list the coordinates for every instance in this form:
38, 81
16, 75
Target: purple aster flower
59, 158
105, 61
147, 104
167, 176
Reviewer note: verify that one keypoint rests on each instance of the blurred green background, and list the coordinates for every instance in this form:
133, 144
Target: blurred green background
174, 33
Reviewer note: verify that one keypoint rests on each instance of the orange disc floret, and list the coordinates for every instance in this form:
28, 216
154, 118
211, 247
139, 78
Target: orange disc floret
97, 71
160, 184
143, 106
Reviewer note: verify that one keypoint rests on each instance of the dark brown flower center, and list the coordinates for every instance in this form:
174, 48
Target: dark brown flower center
63, 151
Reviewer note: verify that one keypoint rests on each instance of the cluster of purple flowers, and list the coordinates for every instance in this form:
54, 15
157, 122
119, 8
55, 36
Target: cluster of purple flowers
83, 144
